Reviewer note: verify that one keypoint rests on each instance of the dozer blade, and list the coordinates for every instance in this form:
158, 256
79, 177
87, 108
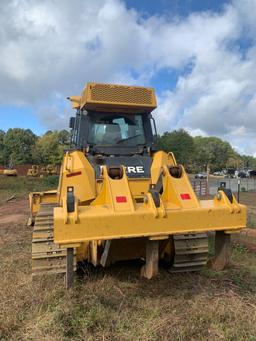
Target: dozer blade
191, 252
47, 257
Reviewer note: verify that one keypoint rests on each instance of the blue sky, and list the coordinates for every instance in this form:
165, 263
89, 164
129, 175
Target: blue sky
175, 7
21, 117
200, 55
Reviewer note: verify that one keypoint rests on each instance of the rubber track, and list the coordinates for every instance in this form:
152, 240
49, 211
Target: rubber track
191, 252
47, 257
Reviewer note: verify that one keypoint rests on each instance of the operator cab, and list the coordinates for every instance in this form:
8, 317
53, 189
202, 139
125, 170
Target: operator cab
114, 127
113, 133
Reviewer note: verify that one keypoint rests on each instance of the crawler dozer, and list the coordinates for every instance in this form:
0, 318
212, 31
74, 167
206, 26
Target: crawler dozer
36, 170
10, 172
119, 198
33, 171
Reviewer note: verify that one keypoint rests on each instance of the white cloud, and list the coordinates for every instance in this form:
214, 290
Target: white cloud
50, 49
217, 97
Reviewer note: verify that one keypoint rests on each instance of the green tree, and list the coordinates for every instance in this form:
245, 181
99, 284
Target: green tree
64, 137
2, 134
180, 143
212, 152
18, 145
234, 161
49, 148
249, 161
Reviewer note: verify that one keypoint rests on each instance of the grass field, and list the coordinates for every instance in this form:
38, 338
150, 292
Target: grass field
21, 186
116, 304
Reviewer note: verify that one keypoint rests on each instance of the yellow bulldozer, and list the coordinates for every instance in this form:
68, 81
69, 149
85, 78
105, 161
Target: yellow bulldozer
36, 170
119, 198
10, 172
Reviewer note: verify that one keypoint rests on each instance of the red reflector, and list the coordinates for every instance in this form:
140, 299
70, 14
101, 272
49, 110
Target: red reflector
73, 174
121, 199
185, 196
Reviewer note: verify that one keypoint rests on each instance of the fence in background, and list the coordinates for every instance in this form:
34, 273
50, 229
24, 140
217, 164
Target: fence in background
246, 185
200, 187
22, 169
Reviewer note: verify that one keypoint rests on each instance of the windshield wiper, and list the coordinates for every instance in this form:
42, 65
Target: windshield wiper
128, 138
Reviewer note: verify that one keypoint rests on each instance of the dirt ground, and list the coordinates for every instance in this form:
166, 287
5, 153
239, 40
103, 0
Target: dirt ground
14, 211
249, 199
116, 304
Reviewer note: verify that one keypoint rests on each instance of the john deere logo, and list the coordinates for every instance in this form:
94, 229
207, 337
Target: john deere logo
135, 169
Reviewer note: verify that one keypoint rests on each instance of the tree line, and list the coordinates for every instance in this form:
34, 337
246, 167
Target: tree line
21, 146
203, 153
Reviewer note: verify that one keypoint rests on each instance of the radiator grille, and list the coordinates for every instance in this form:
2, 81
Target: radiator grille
122, 94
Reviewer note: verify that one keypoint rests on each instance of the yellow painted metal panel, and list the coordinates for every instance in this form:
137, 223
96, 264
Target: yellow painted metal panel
37, 198
160, 158
99, 222
114, 213
76, 101
77, 172
109, 96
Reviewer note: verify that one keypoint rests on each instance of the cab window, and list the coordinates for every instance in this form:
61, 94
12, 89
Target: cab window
116, 129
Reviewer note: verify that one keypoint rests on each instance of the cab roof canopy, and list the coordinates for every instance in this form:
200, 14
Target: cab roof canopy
113, 97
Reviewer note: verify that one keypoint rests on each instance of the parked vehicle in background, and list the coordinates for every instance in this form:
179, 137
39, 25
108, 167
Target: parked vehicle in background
230, 173
242, 175
201, 176
252, 173
218, 173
